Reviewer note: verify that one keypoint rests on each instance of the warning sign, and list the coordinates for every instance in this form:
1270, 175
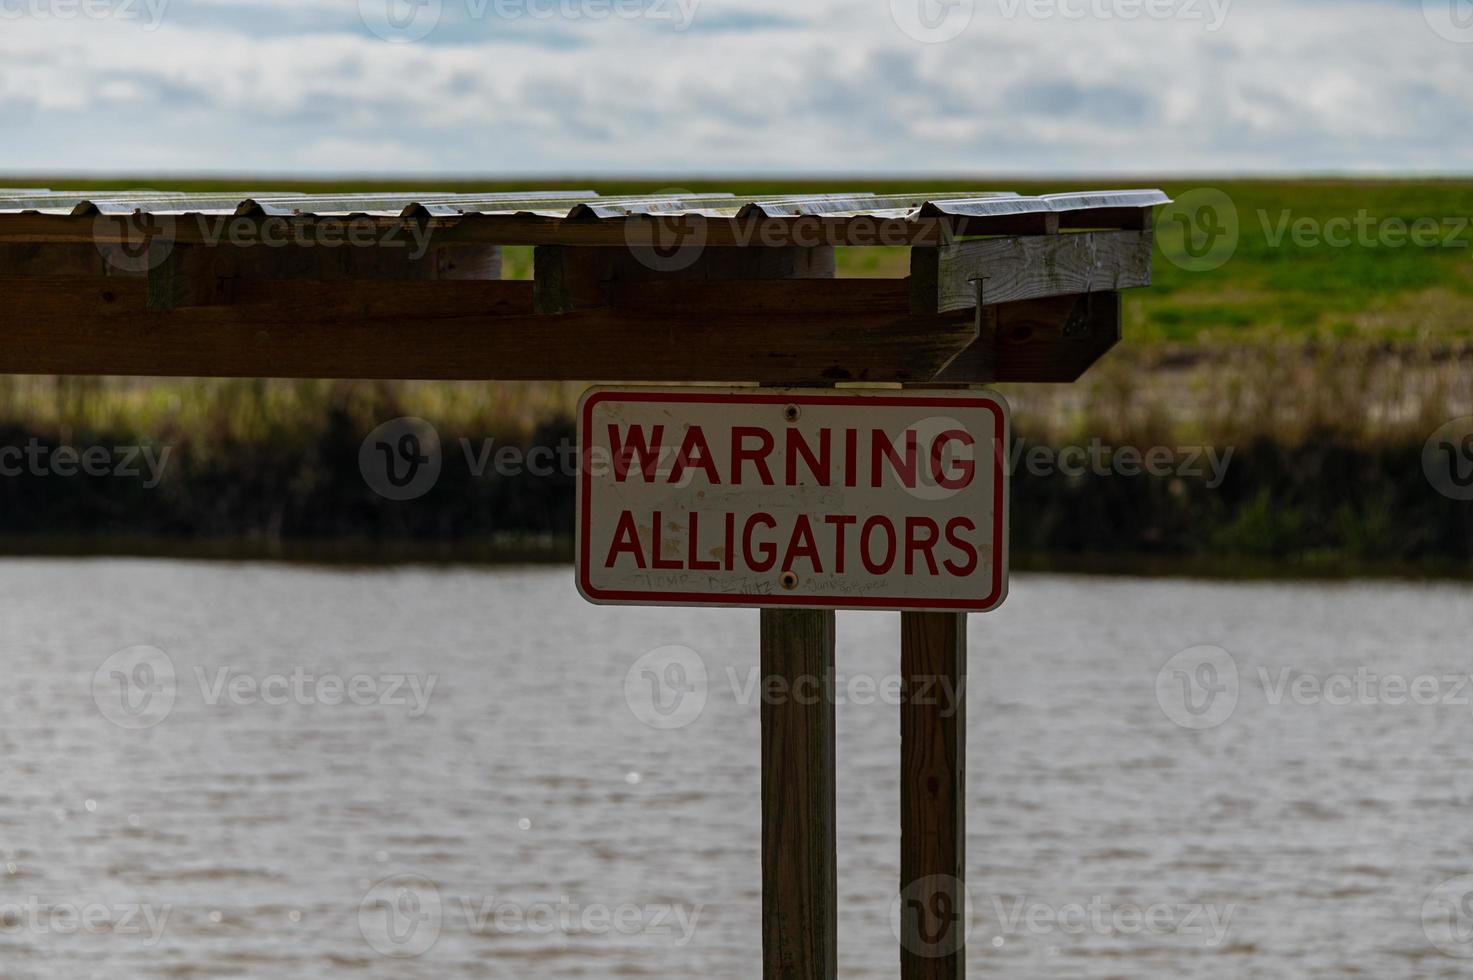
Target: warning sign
814, 498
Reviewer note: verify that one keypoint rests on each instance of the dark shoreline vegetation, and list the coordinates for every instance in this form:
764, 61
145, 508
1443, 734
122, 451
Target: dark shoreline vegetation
1323, 368
242, 479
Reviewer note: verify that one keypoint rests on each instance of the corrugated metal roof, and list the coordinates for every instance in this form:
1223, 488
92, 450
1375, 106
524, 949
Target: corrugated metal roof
569, 205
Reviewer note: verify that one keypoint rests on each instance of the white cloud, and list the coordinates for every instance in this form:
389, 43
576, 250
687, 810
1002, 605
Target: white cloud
235, 85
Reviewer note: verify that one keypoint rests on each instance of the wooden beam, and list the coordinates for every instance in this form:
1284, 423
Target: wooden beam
1134, 219
1019, 268
525, 229
463, 330
581, 277
933, 825
799, 845
1037, 223
790, 332
199, 275
1052, 340
774, 232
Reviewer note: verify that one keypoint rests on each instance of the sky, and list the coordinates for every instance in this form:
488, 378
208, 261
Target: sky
710, 87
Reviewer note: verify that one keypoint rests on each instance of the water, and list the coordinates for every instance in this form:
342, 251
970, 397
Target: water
547, 831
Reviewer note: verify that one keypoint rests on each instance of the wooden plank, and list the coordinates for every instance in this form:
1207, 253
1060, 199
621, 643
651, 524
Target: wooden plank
1019, 268
799, 846
73, 259
175, 282
473, 330
1134, 219
933, 827
200, 275
1038, 223
1053, 340
580, 277
751, 232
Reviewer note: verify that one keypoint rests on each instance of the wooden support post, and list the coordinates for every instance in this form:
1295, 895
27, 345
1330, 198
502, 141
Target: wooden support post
933, 825
799, 849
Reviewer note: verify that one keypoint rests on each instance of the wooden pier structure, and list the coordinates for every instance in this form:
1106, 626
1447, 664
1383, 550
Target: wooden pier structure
676, 288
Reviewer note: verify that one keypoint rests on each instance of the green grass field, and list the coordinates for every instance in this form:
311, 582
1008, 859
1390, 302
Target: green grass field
1297, 272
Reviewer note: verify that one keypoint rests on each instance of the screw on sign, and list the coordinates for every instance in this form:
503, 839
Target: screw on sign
813, 499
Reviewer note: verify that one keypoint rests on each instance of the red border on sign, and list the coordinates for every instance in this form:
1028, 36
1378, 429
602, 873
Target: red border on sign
809, 601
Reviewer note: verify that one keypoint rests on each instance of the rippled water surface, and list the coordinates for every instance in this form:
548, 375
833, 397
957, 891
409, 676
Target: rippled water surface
206, 808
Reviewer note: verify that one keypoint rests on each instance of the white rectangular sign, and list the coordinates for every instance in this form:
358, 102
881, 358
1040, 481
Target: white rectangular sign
874, 499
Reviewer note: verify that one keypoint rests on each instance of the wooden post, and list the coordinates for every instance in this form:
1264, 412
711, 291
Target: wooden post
933, 826
799, 849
